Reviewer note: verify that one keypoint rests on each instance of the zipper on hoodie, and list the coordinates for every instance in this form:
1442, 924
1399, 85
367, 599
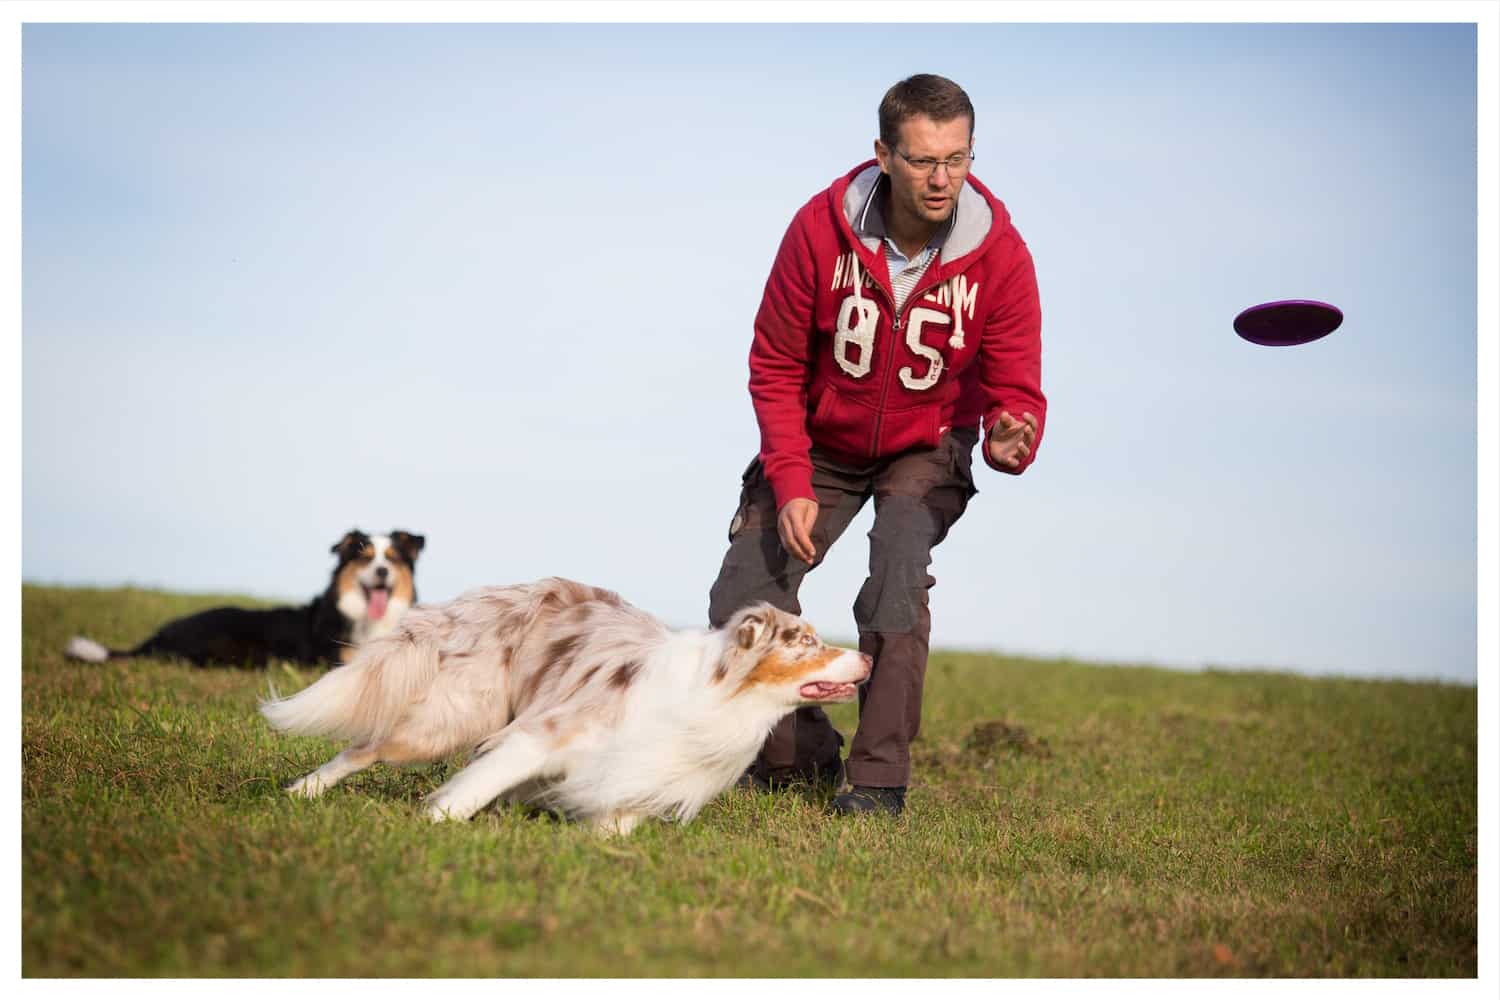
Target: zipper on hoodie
896, 324
885, 374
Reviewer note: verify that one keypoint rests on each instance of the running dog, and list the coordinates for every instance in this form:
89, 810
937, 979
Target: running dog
574, 699
372, 586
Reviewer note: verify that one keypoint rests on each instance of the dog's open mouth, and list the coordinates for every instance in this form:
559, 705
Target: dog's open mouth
375, 602
827, 691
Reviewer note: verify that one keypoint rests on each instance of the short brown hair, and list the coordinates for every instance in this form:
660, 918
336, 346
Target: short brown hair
937, 97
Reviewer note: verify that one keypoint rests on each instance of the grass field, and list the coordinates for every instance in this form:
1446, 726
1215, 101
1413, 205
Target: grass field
1065, 819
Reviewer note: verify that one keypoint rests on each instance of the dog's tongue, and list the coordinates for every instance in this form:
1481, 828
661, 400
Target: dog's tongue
376, 607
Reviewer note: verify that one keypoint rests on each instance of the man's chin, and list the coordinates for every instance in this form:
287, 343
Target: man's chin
929, 214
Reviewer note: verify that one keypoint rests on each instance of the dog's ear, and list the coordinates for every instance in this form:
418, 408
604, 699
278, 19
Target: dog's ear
351, 545
750, 629
407, 544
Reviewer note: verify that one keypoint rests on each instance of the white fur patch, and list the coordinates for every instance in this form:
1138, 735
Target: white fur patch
88, 650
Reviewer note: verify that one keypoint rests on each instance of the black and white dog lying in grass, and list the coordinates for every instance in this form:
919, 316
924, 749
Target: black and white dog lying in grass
574, 699
372, 587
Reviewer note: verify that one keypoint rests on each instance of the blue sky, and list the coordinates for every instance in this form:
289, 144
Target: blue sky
494, 284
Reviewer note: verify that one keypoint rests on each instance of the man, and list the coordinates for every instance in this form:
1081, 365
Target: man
900, 320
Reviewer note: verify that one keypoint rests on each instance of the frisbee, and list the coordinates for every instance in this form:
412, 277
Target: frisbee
1287, 323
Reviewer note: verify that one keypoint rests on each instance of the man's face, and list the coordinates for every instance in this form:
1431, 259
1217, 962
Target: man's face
919, 195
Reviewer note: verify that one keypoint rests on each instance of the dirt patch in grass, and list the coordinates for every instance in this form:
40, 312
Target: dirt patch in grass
996, 737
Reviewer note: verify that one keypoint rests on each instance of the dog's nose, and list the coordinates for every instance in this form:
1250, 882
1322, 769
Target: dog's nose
381, 573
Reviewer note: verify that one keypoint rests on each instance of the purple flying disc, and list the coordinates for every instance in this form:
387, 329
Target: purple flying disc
1284, 324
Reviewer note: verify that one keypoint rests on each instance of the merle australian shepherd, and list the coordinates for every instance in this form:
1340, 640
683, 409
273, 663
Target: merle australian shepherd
569, 698
373, 585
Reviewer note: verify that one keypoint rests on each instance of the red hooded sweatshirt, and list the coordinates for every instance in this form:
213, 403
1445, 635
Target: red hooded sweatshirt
834, 363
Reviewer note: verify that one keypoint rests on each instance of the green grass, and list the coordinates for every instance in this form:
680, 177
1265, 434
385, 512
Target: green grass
1065, 819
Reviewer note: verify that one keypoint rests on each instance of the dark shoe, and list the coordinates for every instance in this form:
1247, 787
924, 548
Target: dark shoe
865, 799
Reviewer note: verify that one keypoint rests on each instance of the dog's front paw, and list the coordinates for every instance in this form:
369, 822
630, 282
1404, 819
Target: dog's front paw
442, 810
306, 787
616, 824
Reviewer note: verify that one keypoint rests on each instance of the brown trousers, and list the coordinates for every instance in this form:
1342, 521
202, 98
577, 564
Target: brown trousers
918, 497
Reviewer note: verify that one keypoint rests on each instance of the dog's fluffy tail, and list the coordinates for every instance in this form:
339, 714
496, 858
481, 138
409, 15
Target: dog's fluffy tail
86, 650
363, 700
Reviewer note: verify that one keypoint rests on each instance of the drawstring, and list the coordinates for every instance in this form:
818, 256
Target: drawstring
957, 340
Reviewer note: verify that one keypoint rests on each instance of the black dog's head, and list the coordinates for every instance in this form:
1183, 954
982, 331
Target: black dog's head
375, 579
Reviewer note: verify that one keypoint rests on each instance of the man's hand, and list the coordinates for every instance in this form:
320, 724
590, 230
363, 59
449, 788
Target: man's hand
1011, 439
795, 524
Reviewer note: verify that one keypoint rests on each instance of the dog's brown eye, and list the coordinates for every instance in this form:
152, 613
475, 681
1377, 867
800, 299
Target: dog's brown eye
809, 640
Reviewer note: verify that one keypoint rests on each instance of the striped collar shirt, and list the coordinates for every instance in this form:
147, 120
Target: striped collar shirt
905, 272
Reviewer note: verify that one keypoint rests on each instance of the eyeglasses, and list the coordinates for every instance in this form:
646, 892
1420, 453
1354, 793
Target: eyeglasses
958, 163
